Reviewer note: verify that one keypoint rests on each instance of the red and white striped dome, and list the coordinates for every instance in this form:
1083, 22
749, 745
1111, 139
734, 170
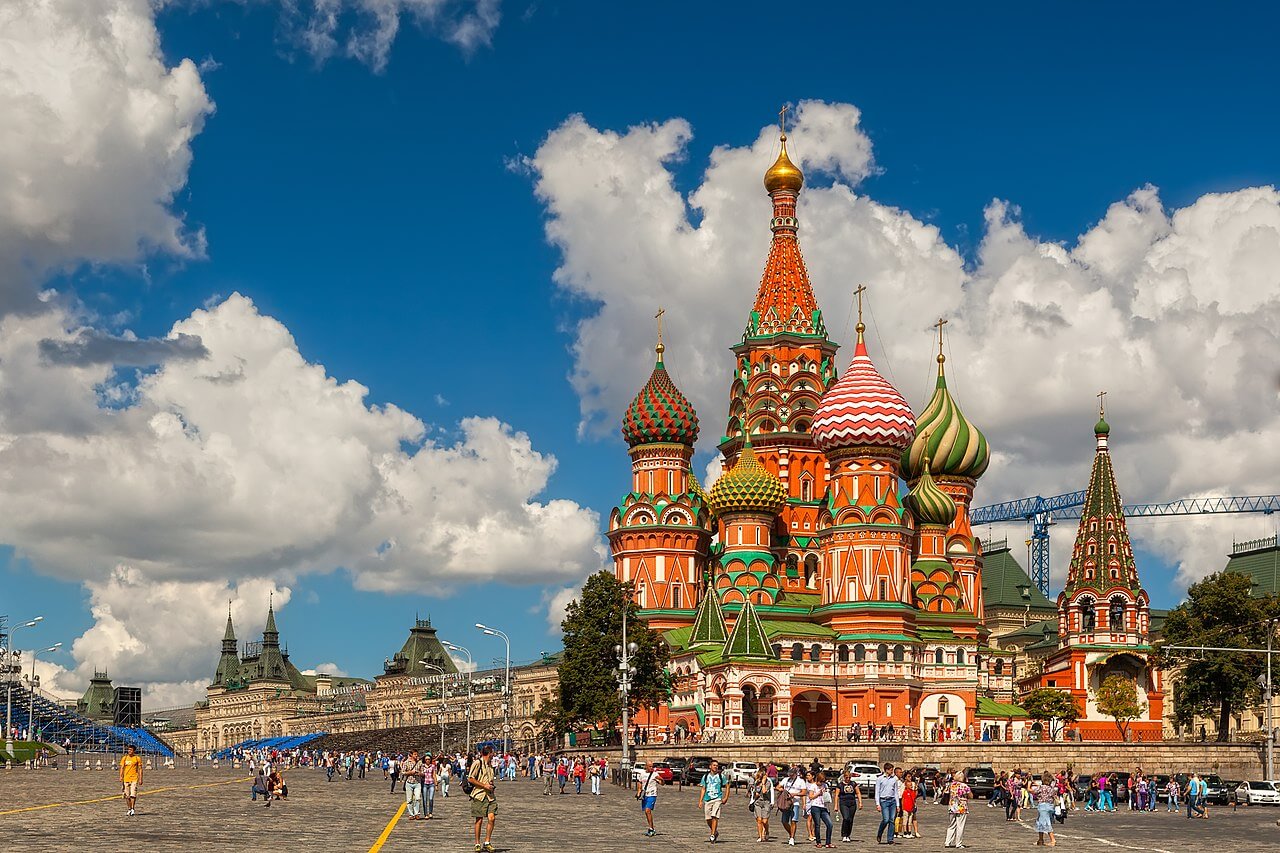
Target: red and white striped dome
863, 410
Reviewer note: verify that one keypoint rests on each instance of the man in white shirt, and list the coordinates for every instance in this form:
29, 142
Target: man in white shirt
887, 800
796, 788
647, 794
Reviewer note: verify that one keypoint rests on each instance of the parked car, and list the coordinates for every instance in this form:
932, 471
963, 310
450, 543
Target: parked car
1253, 793
981, 780
698, 766
1161, 782
677, 765
864, 775
1080, 786
1217, 790
664, 771
741, 772
927, 778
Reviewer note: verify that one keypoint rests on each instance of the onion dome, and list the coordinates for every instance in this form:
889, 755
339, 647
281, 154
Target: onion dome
1101, 427
946, 440
783, 174
748, 487
862, 409
660, 413
928, 503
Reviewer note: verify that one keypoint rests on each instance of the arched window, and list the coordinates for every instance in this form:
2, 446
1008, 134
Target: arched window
999, 667
1088, 618
797, 651
944, 705
777, 651
675, 596
899, 653
815, 652
960, 656
882, 652
859, 653
938, 656
806, 485
793, 565
810, 569
1115, 618
842, 653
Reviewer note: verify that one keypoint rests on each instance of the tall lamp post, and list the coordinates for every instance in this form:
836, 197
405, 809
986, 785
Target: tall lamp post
443, 710
31, 709
453, 647
506, 704
626, 671
440, 670
8, 712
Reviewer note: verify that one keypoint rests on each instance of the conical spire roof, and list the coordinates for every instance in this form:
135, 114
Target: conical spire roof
1103, 555
230, 633
748, 638
945, 436
708, 624
748, 487
271, 621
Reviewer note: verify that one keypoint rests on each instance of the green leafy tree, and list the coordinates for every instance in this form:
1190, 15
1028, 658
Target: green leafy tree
588, 672
1219, 611
1118, 698
1046, 704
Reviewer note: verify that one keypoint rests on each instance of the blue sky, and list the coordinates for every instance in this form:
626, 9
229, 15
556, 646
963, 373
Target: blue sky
387, 217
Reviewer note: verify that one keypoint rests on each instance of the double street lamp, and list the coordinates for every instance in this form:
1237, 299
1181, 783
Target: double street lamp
506, 689
470, 667
31, 711
9, 670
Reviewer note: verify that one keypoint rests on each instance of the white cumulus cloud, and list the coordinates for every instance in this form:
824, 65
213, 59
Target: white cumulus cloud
1175, 313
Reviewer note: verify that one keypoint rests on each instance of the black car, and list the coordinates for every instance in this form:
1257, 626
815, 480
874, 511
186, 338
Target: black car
677, 766
981, 780
1080, 786
1216, 790
928, 779
698, 766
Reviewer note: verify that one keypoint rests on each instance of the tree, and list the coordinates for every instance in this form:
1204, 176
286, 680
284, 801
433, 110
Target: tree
1219, 611
1046, 704
588, 672
1118, 697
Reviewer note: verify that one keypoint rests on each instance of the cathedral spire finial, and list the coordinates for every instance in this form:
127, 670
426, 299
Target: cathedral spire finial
783, 174
942, 321
1102, 404
861, 327
660, 348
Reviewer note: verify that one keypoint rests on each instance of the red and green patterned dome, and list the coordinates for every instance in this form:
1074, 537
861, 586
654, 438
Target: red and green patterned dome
928, 503
660, 413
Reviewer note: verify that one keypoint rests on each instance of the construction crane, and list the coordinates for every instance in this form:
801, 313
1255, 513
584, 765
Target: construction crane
1040, 512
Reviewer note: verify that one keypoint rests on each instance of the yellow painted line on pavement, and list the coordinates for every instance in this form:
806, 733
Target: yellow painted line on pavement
386, 832
121, 796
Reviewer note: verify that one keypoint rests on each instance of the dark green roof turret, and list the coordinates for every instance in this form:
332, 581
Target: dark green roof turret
748, 639
708, 624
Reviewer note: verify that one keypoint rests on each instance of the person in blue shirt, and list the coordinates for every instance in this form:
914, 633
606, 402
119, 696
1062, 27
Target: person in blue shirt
715, 790
887, 799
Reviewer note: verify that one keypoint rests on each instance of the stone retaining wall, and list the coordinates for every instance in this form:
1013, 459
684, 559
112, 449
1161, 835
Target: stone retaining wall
1231, 761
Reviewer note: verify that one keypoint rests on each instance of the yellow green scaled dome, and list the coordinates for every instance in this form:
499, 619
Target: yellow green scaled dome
928, 503
946, 440
748, 487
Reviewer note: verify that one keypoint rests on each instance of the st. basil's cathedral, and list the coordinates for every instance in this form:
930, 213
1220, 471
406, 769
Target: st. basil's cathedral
808, 592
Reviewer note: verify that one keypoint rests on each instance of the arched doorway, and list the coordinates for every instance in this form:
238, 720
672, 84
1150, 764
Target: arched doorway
811, 714
750, 710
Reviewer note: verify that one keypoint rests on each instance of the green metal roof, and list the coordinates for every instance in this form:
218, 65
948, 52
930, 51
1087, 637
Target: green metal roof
1004, 580
988, 707
748, 639
779, 628
708, 625
1262, 566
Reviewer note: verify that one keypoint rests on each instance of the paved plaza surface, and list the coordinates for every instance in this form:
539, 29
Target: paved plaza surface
208, 809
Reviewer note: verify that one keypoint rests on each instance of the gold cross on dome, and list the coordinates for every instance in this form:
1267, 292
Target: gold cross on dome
1102, 407
782, 119
658, 317
858, 291
938, 325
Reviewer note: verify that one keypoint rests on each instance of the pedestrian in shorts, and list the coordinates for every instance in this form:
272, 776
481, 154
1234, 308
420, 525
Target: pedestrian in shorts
484, 803
715, 791
647, 794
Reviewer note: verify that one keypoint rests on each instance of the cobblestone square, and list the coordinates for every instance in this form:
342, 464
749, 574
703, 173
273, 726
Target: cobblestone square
207, 809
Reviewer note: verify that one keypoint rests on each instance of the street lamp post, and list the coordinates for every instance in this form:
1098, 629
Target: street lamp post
453, 647
8, 712
626, 670
506, 704
444, 709
31, 709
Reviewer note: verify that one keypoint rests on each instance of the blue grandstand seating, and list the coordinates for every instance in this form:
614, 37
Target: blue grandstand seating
56, 724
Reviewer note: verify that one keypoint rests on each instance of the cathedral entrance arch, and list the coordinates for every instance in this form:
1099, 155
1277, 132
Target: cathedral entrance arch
811, 714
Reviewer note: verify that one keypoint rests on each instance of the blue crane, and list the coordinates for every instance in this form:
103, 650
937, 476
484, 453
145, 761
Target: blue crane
1041, 512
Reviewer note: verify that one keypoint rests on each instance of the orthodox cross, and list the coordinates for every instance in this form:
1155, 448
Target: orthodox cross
1102, 408
938, 325
782, 119
658, 317
858, 291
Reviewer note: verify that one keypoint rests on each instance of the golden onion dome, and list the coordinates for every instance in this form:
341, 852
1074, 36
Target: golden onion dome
783, 174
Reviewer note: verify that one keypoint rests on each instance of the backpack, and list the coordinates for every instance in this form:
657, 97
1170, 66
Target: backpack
467, 786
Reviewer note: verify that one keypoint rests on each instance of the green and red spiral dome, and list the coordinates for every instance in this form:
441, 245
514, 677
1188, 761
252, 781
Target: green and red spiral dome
660, 413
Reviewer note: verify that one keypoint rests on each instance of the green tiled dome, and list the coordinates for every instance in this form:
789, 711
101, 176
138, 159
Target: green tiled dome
749, 487
928, 503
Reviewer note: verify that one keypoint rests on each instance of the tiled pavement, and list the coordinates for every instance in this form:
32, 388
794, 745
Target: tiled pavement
207, 809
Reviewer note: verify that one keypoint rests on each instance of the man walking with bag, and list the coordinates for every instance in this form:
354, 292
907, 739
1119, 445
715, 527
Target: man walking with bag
647, 794
484, 803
